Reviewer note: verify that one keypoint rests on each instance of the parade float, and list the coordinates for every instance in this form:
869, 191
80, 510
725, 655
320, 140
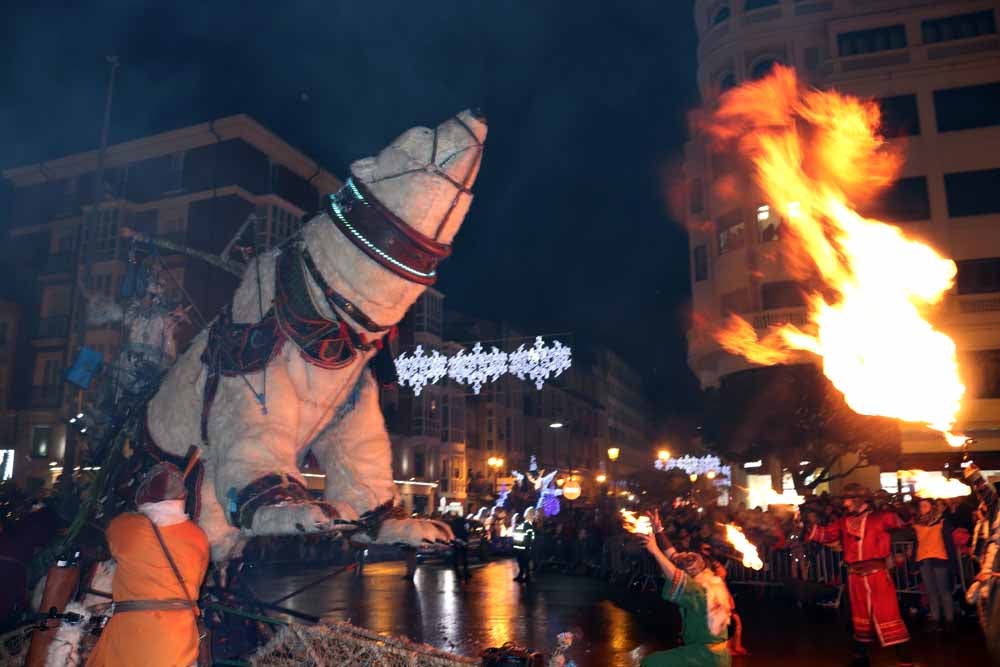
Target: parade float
290, 368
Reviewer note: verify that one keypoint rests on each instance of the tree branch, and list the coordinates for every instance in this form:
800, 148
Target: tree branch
861, 463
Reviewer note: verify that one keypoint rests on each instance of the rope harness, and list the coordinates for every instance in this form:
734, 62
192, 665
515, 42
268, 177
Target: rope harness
236, 349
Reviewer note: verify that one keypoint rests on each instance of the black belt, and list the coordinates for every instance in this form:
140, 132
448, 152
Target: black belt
170, 604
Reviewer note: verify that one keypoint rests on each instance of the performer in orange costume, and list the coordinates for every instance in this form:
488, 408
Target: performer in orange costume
864, 533
154, 622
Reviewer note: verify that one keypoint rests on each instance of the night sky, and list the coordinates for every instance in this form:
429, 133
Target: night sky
586, 103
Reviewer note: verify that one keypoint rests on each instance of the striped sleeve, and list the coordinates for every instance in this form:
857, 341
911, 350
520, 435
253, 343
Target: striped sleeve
674, 587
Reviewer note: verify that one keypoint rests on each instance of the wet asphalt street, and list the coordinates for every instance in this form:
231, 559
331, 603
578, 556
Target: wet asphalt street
615, 626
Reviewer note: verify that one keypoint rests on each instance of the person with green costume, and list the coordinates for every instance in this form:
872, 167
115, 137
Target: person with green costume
705, 604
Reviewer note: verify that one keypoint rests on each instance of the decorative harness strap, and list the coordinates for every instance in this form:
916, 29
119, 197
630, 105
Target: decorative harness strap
235, 349
383, 236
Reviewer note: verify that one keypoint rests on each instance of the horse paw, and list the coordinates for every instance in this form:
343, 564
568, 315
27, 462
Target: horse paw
297, 517
414, 532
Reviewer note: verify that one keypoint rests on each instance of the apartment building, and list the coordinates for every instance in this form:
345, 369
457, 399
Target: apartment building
934, 67
196, 186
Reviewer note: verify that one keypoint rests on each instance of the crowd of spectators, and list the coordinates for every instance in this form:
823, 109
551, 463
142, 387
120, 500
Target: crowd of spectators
592, 540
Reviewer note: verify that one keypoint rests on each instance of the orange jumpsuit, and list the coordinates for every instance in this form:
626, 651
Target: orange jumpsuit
152, 638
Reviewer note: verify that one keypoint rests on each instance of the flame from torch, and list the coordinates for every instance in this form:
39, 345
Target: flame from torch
638, 525
739, 541
934, 487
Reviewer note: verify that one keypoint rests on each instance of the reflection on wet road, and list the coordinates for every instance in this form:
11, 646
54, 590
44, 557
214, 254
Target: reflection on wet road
615, 627
488, 611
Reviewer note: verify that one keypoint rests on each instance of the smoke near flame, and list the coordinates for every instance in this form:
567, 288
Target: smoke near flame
816, 156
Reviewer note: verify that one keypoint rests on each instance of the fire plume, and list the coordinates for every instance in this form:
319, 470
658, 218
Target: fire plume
926, 485
739, 541
869, 288
639, 525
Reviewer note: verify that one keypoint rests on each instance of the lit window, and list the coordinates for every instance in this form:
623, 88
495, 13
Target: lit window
768, 223
41, 437
732, 232
6, 464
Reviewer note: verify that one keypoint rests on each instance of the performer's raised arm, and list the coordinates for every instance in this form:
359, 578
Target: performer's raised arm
828, 534
668, 568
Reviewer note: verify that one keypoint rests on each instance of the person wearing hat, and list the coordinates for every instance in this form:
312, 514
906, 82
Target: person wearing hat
705, 604
864, 533
161, 557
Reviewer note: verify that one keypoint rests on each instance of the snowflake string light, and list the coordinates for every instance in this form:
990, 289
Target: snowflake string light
420, 370
477, 367
697, 465
539, 362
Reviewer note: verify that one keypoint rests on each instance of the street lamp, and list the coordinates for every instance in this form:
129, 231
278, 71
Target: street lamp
602, 478
663, 455
572, 490
495, 463
613, 453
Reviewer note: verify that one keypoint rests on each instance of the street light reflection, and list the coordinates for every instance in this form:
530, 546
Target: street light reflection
500, 604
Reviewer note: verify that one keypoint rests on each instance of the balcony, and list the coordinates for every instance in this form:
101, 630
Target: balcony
63, 262
46, 396
53, 327
771, 318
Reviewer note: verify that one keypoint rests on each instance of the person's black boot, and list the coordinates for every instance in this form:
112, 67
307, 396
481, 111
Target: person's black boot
859, 657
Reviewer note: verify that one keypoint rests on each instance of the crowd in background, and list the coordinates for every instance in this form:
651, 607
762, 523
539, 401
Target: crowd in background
940, 543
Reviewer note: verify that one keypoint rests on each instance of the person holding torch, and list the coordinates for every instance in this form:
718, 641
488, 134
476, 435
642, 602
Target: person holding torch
704, 601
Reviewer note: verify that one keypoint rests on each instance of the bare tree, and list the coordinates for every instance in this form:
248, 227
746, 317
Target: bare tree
793, 413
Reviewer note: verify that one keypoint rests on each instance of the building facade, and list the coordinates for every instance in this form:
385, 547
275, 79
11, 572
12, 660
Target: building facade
196, 186
428, 431
934, 67
445, 440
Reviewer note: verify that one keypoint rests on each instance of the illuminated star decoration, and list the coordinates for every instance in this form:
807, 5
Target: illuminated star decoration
501, 500
477, 366
548, 498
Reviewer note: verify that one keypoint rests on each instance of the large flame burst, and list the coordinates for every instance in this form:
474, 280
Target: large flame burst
869, 287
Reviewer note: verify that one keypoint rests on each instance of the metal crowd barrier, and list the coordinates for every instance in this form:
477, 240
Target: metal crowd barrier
624, 563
